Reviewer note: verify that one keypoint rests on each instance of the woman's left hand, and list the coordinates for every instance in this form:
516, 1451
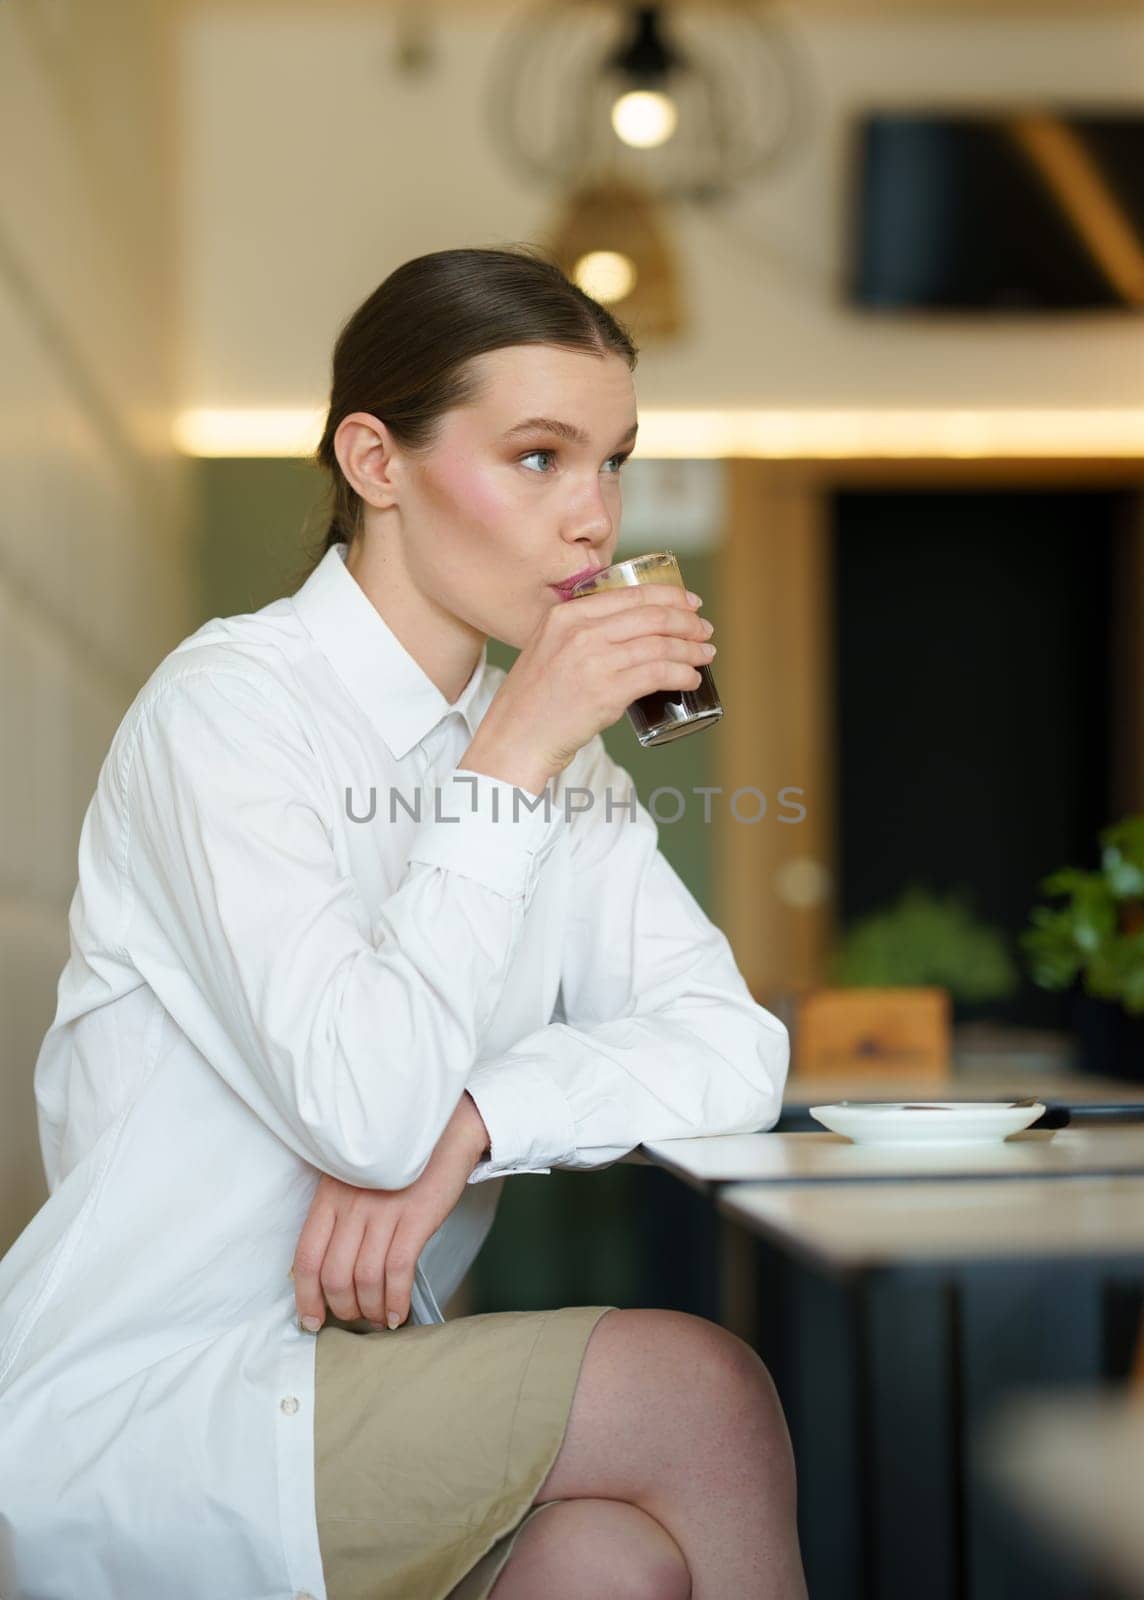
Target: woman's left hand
359, 1247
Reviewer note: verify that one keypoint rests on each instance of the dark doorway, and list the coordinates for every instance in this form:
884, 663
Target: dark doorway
973, 695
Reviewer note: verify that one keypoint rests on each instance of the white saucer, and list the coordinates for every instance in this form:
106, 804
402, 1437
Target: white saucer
936, 1122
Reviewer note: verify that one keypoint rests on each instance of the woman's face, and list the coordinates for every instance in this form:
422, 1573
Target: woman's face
503, 507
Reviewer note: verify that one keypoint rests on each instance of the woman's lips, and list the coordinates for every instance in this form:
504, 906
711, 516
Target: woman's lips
564, 590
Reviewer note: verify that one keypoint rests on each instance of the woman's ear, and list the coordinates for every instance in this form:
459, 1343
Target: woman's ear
368, 458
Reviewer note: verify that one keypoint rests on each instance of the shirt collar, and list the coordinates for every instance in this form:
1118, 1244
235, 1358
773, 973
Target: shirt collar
399, 698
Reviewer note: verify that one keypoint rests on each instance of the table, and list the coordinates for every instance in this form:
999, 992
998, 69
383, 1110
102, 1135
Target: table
892, 1227
896, 1316
898, 1294
828, 1157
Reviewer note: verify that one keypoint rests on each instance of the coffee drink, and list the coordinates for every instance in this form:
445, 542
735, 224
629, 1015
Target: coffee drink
665, 714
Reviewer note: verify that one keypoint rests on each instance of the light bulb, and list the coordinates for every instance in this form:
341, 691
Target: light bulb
606, 275
644, 118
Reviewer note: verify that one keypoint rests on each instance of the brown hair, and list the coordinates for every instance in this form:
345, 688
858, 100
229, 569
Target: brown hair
404, 355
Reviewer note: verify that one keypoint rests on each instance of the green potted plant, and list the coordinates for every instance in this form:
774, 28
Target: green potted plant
1094, 941
924, 939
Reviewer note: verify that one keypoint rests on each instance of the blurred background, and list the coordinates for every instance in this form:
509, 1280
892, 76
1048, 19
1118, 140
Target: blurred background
885, 264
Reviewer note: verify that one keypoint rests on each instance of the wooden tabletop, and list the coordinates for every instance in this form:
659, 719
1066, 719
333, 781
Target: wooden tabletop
1073, 1464
828, 1157
852, 1226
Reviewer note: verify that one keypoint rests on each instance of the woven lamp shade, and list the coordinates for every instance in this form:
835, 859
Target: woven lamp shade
618, 217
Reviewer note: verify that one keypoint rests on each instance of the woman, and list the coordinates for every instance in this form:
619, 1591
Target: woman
343, 957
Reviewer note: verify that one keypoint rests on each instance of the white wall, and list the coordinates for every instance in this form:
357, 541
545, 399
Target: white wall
312, 169
95, 578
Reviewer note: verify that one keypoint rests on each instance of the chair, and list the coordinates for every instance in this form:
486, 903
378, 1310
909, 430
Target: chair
873, 1032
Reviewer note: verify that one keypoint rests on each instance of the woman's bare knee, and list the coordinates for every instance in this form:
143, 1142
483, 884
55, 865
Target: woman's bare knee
578, 1549
658, 1387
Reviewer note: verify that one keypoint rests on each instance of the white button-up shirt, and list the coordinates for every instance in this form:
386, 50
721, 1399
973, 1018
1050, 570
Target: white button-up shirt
300, 932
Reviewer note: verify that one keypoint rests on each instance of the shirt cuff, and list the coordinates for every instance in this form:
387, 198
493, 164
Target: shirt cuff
530, 1123
495, 832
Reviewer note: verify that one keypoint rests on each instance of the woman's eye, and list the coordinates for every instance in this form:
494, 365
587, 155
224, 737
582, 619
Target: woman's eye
619, 458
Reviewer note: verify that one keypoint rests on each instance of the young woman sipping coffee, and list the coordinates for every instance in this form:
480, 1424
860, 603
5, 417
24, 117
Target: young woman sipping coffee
296, 1055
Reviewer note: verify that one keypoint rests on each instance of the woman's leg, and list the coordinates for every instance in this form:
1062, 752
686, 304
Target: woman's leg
582, 1549
679, 1418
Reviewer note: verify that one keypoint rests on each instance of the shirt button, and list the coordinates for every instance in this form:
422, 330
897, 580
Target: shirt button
290, 1405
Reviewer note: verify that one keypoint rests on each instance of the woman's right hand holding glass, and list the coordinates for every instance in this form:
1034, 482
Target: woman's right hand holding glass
584, 664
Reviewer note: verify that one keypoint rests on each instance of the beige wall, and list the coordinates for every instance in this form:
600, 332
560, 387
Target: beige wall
313, 168
94, 577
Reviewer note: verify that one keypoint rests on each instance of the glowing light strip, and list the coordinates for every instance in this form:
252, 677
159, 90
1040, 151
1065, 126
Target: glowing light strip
248, 432
767, 435
859, 434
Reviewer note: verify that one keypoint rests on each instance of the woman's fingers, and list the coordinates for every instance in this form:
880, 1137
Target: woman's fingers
308, 1258
338, 1268
654, 617
373, 1274
611, 602
400, 1264
386, 1264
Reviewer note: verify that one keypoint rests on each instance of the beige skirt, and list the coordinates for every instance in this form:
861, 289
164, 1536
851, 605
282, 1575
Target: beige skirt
431, 1443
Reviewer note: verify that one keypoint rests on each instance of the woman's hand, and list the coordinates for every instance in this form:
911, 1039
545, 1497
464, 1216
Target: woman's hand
583, 665
359, 1247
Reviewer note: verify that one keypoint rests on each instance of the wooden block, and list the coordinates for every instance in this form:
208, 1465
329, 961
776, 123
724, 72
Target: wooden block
866, 1031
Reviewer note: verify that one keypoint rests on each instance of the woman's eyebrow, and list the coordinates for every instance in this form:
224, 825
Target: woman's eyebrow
563, 430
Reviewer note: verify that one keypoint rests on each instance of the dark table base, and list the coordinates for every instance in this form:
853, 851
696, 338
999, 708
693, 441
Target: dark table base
887, 1379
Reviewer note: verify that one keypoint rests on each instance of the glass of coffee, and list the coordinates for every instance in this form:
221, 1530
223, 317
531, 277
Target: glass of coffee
666, 714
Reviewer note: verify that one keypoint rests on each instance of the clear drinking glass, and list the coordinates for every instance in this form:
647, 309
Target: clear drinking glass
666, 714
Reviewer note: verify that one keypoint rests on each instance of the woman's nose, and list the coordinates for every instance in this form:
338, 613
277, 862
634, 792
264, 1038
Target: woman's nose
593, 519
